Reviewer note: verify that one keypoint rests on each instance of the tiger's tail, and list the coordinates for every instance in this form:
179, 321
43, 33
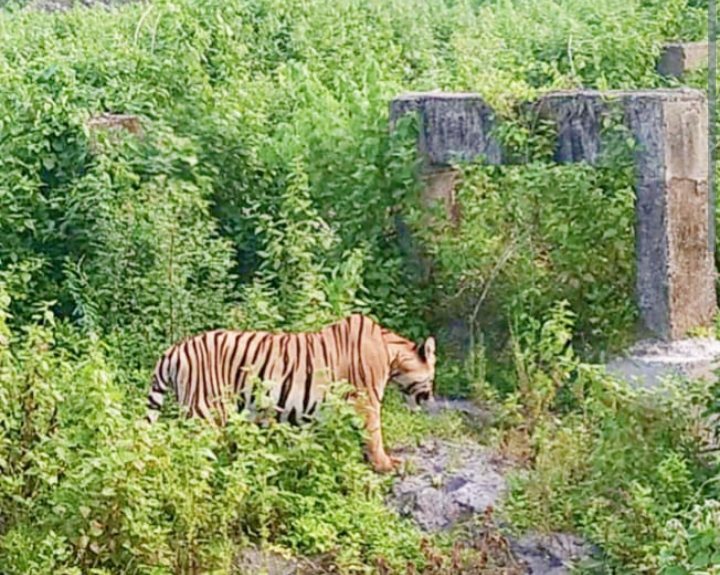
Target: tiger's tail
156, 395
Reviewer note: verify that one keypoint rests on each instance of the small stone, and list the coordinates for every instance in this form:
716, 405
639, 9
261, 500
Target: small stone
454, 484
552, 554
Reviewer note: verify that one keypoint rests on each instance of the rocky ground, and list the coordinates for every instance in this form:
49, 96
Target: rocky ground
448, 483
453, 482
455, 485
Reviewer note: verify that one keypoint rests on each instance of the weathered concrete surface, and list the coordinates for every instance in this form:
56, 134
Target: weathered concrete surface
649, 361
128, 122
681, 57
452, 126
578, 116
675, 268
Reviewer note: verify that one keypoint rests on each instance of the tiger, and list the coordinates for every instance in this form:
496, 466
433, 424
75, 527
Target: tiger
207, 368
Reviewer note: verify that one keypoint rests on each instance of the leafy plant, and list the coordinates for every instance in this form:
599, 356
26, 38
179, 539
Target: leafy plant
624, 465
264, 190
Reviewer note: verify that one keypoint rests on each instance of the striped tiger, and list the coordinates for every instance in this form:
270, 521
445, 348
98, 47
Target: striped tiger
206, 369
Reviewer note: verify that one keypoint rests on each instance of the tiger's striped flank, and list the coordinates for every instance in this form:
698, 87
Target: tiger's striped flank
210, 370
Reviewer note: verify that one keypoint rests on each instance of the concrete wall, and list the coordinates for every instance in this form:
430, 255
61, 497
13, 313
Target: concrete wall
675, 266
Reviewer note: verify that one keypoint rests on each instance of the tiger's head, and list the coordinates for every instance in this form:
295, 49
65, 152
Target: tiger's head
414, 371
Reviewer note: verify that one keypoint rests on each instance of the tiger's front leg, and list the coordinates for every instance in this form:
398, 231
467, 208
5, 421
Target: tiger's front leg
380, 460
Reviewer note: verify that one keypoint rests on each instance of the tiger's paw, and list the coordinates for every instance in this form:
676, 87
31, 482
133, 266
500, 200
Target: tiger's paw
387, 464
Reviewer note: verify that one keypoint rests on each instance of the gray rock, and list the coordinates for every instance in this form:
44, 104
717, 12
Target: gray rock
553, 554
453, 482
256, 561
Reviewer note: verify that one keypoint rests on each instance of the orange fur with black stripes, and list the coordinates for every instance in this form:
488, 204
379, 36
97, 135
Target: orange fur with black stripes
209, 369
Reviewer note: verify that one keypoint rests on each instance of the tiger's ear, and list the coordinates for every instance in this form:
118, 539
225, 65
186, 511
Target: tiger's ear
427, 350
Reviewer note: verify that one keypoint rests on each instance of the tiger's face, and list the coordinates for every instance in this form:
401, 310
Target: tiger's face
414, 372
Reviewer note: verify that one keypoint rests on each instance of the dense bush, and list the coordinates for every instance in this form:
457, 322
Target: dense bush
625, 466
241, 100
533, 234
84, 485
265, 191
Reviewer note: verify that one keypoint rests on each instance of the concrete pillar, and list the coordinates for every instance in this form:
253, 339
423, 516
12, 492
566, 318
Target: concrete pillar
452, 127
675, 267
679, 58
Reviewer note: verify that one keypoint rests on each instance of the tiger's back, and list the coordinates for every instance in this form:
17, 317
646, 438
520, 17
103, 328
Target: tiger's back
209, 370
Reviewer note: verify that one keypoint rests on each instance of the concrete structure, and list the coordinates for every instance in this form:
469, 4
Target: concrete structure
681, 57
648, 362
452, 127
675, 267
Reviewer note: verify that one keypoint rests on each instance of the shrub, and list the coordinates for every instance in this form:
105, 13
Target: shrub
235, 98
622, 465
85, 486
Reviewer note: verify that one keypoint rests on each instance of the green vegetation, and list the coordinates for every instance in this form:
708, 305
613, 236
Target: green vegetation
266, 192
623, 466
84, 486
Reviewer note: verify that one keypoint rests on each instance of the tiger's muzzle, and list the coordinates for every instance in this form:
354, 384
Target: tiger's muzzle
419, 399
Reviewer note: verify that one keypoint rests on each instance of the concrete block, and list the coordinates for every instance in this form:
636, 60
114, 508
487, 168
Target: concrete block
675, 267
452, 126
578, 115
649, 361
127, 122
678, 58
